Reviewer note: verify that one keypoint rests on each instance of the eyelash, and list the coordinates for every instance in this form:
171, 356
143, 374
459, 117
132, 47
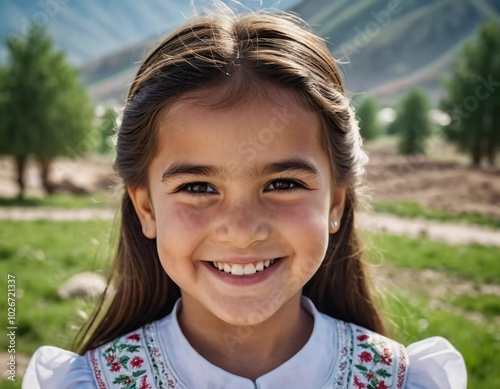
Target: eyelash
183, 187
296, 185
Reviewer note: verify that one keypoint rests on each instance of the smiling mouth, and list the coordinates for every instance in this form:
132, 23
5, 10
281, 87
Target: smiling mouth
239, 269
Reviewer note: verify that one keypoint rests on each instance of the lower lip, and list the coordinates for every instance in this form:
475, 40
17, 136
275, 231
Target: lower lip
245, 280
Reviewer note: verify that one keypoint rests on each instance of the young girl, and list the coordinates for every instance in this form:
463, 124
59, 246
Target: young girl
238, 264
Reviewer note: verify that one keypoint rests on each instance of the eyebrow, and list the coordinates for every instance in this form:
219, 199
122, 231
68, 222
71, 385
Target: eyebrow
295, 164
288, 165
187, 168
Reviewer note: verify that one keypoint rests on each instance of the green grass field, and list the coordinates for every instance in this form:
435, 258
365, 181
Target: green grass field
65, 201
42, 254
473, 262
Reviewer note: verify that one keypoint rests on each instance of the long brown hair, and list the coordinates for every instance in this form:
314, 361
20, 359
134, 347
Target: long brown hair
228, 51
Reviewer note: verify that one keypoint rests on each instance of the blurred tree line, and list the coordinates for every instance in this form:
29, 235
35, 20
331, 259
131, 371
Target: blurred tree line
45, 112
474, 97
472, 104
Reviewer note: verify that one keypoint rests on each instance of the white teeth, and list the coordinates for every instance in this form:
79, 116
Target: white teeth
239, 269
249, 269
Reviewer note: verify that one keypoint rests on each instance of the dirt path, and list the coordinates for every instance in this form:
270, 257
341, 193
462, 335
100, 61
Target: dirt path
58, 214
451, 233
446, 232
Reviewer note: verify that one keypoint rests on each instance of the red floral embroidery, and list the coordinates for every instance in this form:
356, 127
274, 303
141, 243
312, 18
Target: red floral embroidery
371, 371
110, 358
132, 361
402, 367
144, 384
115, 366
358, 383
136, 362
122, 356
374, 361
135, 337
386, 357
382, 385
363, 337
97, 371
365, 357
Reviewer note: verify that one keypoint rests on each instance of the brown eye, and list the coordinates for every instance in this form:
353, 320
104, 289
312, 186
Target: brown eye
197, 188
283, 185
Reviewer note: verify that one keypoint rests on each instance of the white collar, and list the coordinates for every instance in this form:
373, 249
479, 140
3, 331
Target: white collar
311, 367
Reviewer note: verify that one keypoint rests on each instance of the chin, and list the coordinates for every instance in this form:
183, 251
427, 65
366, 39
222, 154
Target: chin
245, 313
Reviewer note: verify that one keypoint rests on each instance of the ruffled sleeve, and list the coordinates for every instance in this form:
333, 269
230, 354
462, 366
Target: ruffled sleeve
435, 364
54, 368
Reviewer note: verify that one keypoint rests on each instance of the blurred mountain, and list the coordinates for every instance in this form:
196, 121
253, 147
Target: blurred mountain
396, 44
91, 29
390, 44
87, 30
107, 38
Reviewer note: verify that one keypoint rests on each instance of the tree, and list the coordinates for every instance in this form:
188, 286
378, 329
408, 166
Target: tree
107, 130
367, 114
473, 100
46, 112
393, 127
413, 121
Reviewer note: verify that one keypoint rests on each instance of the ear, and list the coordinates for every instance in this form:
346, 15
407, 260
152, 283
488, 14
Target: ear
336, 208
144, 209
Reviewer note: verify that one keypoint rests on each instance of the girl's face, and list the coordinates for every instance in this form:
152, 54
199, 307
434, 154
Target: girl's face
240, 201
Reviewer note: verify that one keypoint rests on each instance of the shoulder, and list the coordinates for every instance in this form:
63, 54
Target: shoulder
52, 367
362, 358
369, 358
377, 361
135, 359
435, 364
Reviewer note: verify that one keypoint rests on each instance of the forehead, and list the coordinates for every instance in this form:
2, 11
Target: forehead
257, 130
237, 95
253, 105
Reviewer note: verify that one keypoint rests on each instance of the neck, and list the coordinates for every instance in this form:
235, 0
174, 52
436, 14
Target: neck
249, 351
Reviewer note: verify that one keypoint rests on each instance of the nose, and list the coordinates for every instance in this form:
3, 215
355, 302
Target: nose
242, 223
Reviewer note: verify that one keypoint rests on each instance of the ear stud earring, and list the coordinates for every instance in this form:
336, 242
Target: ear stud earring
334, 224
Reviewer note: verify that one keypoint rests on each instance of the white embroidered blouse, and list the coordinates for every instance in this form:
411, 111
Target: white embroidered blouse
337, 355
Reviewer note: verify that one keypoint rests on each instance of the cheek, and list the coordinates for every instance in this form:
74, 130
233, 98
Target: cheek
180, 229
305, 220
182, 220
306, 229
